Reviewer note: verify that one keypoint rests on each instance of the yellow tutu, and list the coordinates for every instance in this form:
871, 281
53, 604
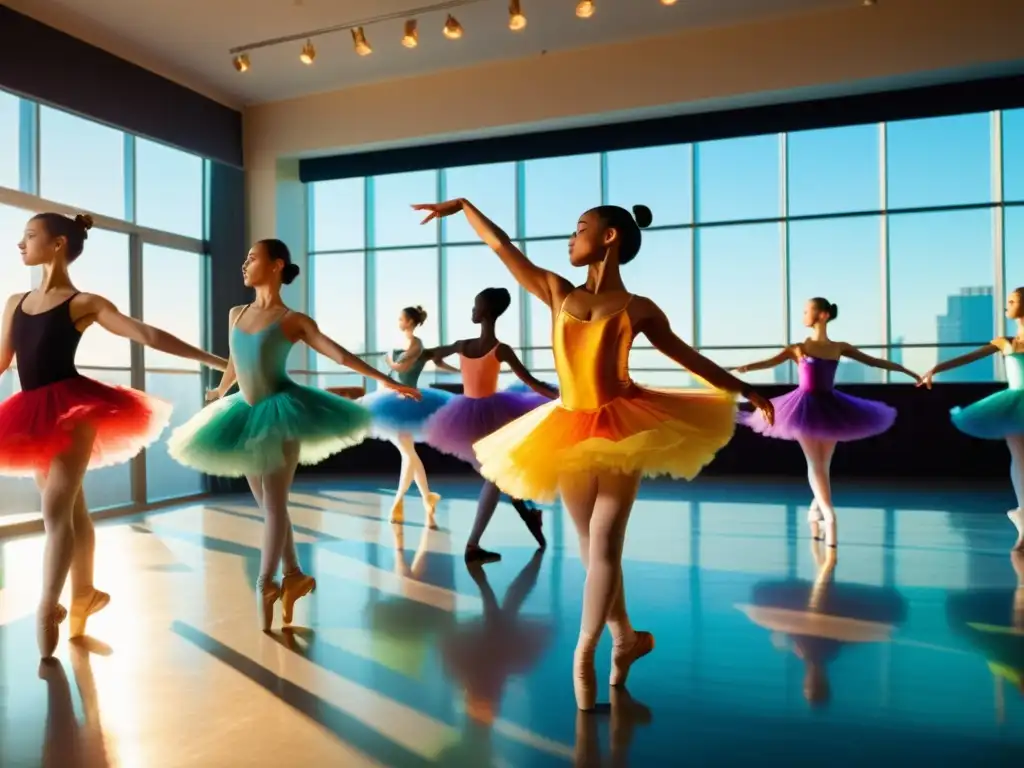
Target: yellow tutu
604, 422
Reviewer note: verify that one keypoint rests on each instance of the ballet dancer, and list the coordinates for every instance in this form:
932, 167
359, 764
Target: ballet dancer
481, 409
273, 424
400, 419
594, 445
815, 414
61, 424
999, 416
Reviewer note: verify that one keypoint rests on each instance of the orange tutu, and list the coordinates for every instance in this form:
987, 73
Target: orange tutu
653, 432
36, 425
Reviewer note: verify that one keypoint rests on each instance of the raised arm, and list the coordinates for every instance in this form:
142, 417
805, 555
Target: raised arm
653, 324
436, 355
996, 345
108, 317
309, 332
850, 351
6, 342
789, 353
509, 357
546, 286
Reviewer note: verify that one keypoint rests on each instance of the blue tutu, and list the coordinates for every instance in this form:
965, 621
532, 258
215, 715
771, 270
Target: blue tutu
995, 417
394, 414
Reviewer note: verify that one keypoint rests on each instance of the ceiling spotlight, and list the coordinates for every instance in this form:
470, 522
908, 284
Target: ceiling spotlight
668, 2
452, 28
241, 62
585, 9
516, 17
308, 54
411, 36
868, 3
359, 42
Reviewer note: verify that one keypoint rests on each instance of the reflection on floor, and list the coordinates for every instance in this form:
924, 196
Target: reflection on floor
911, 643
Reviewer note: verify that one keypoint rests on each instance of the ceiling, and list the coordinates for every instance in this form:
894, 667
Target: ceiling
188, 40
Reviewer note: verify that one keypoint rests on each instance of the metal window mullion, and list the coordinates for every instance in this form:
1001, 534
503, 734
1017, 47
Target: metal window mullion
138, 356
369, 273
442, 262
526, 339
310, 281
28, 147
784, 238
998, 236
130, 197
695, 241
883, 245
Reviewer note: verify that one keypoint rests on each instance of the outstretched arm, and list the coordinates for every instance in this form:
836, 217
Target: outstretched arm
996, 345
789, 353
508, 356
546, 286
108, 316
315, 339
436, 355
850, 351
6, 342
653, 324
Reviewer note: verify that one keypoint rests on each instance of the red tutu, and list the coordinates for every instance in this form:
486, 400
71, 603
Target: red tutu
36, 426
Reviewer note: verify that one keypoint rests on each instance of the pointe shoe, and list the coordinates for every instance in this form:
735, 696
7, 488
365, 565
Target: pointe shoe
397, 512
814, 519
430, 506
84, 606
584, 679
534, 520
293, 587
267, 593
48, 630
831, 535
1017, 518
623, 658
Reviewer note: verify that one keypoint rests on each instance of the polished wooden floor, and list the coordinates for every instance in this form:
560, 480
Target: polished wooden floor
912, 648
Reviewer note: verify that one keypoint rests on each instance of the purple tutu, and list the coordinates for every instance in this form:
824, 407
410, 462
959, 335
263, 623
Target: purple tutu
456, 426
815, 410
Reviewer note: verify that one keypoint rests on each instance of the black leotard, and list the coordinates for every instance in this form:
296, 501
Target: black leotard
45, 345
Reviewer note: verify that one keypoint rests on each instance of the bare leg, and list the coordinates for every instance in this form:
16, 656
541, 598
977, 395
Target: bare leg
1016, 445
276, 486
289, 557
60, 490
412, 470
485, 506
607, 530
819, 459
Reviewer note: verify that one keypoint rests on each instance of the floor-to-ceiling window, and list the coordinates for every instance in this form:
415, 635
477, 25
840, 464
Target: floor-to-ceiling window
914, 228
146, 254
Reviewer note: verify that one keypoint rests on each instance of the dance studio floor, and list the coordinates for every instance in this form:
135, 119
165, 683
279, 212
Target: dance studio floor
907, 651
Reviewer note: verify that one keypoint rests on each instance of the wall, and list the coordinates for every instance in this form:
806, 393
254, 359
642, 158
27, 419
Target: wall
827, 53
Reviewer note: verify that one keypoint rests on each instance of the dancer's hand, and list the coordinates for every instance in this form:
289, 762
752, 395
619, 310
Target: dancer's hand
438, 210
764, 405
926, 379
403, 390
213, 394
738, 369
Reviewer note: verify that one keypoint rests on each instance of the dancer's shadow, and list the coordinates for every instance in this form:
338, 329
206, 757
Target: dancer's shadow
68, 743
817, 619
626, 714
992, 622
481, 655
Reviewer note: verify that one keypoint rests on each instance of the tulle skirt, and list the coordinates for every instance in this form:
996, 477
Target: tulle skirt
648, 431
995, 417
822, 415
37, 425
394, 414
454, 428
232, 438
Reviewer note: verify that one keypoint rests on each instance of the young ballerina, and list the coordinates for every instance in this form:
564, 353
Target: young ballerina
400, 419
62, 424
999, 416
273, 424
815, 414
605, 433
481, 409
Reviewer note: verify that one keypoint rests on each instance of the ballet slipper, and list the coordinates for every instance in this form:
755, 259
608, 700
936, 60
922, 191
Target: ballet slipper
430, 506
267, 593
584, 678
294, 586
623, 656
1017, 518
48, 623
397, 512
84, 606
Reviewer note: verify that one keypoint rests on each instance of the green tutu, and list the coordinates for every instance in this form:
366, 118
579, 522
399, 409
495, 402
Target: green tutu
231, 438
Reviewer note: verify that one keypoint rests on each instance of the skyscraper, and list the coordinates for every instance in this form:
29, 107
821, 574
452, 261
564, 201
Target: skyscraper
967, 322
